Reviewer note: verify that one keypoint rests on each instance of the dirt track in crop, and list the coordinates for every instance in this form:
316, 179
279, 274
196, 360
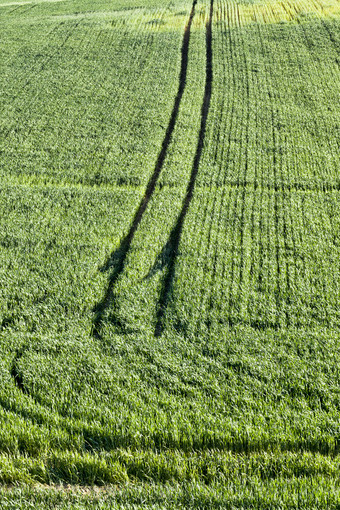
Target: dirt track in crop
118, 257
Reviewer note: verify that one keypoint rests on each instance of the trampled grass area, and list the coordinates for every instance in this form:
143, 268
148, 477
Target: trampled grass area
170, 256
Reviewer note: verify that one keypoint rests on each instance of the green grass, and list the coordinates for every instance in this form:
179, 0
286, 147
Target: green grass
184, 354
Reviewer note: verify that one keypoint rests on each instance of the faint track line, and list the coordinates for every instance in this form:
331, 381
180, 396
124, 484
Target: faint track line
118, 257
247, 76
330, 34
208, 220
240, 191
97, 82
277, 138
175, 236
28, 81
15, 373
228, 23
271, 96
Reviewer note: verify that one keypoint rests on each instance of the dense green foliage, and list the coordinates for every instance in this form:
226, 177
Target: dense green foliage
179, 339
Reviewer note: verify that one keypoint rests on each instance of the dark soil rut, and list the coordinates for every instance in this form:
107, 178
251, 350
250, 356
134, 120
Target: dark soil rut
118, 257
176, 233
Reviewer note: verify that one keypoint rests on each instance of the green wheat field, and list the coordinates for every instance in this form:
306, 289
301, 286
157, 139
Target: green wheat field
169, 254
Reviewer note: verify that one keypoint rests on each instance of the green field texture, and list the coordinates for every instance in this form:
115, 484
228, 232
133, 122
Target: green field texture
170, 254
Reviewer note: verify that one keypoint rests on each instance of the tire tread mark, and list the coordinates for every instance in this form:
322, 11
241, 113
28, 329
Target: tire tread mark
118, 257
15, 373
175, 235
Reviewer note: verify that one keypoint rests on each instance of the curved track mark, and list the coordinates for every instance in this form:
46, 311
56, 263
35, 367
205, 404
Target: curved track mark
118, 257
15, 373
176, 233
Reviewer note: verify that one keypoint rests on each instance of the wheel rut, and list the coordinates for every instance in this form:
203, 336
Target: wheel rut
175, 236
15, 372
116, 261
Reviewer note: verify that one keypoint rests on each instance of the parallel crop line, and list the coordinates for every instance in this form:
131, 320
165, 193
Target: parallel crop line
271, 96
247, 77
220, 151
288, 283
218, 159
232, 130
239, 191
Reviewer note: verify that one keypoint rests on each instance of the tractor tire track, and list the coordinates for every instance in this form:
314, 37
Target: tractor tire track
118, 257
15, 372
175, 236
